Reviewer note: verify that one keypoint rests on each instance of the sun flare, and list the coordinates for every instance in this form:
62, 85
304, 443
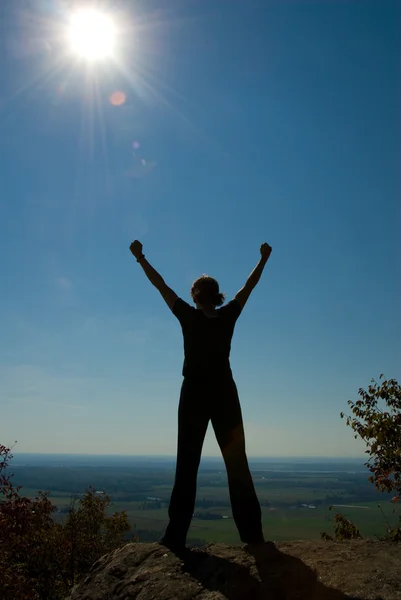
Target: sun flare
92, 34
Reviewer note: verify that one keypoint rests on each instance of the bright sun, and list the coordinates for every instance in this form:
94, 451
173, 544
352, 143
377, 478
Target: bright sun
92, 34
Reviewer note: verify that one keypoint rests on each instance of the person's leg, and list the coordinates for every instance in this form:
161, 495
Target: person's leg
193, 420
228, 426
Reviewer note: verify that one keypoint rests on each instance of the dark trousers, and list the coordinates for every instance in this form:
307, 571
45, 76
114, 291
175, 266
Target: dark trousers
217, 401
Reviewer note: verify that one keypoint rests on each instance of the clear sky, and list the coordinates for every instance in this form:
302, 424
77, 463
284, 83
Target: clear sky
242, 122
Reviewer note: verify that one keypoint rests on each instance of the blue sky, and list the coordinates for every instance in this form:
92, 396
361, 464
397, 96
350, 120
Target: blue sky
243, 122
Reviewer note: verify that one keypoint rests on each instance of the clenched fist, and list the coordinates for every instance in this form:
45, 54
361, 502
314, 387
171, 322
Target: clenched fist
265, 251
136, 248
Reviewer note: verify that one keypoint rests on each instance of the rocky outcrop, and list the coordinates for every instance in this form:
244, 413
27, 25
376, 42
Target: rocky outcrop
301, 570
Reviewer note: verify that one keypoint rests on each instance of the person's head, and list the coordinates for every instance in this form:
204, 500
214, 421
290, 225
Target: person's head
205, 292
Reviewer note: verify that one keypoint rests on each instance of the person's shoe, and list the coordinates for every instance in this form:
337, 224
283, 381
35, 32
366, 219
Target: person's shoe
173, 545
263, 548
254, 540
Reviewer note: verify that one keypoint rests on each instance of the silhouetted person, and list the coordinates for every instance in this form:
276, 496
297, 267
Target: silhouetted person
209, 393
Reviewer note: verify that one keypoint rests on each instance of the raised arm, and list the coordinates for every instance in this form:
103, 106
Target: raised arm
154, 277
244, 293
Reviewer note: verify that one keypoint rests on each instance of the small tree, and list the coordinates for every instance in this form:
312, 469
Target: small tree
41, 559
89, 532
28, 541
344, 529
377, 421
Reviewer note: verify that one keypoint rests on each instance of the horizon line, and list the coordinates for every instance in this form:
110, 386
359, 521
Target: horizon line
309, 456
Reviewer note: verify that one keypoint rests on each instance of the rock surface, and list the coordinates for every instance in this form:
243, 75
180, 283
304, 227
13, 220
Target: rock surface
300, 570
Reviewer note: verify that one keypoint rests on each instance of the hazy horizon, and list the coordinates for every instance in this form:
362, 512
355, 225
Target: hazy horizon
297, 457
19, 455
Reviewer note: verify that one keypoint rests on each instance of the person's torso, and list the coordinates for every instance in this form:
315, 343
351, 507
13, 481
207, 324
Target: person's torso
207, 344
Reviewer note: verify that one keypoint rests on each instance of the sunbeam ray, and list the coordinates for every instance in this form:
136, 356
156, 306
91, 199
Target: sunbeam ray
37, 79
103, 135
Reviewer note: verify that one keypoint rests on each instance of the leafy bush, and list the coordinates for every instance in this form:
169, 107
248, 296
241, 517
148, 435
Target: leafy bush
377, 421
41, 559
344, 529
89, 533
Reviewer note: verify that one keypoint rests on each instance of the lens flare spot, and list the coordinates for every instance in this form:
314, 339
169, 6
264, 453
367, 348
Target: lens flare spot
118, 98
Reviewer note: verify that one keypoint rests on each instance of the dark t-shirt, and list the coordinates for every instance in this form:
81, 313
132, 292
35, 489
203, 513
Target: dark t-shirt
207, 340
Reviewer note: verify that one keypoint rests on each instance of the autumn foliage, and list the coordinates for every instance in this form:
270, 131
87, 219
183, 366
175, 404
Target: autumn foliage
41, 559
344, 529
377, 421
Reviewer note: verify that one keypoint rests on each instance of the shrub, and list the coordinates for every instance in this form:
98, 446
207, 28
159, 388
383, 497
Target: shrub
41, 559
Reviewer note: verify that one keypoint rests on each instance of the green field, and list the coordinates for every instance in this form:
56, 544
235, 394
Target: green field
281, 493
278, 524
